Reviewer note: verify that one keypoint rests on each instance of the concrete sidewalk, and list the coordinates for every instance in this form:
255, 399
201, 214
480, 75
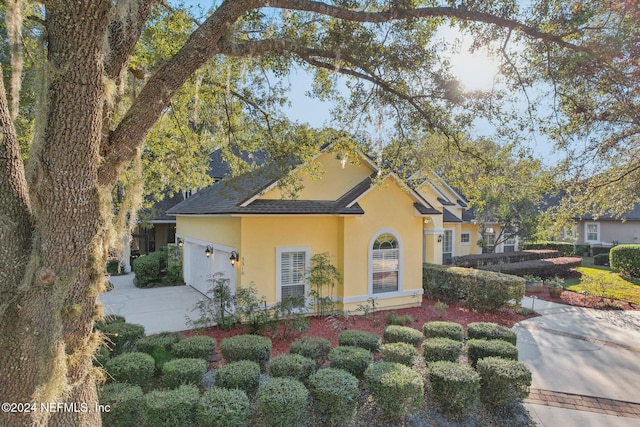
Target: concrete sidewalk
157, 309
585, 364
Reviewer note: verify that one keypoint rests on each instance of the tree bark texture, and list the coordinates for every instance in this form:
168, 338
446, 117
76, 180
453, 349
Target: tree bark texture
46, 334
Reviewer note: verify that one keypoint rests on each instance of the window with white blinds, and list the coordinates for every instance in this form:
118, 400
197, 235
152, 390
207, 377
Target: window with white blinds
292, 274
385, 261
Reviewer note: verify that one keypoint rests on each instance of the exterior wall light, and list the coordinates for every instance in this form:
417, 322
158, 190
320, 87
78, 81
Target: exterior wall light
440, 238
180, 242
208, 251
234, 257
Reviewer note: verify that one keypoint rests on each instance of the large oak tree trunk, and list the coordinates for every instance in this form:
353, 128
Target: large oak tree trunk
46, 338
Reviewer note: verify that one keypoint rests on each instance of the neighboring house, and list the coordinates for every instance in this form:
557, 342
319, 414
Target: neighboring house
606, 230
377, 230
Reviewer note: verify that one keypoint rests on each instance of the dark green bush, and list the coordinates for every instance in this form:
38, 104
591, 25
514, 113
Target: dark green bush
148, 269
247, 347
125, 405
440, 329
123, 336
398, 352
221, 407
292, 365
107, 320
243, 374
198, 347
158, 346
626, 259
114, 267
163, 340
360, 339
395, 388
565, 248
503, 381
171, 408
396, 333
480, 260
454, 386
335, 394
477, 289
282, 402
479, 349
601, 259
437, 349
580, 250
177, 372
103, 354
491, 331
393, 318
354, 360
132, 368
543, 268
315, 348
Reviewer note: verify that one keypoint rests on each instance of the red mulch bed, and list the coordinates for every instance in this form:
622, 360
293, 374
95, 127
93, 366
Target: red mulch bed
329, 328
588, 301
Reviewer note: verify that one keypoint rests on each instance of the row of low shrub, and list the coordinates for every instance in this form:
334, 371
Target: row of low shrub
479, 260
543, 268
477, 289
564, 248
626, 259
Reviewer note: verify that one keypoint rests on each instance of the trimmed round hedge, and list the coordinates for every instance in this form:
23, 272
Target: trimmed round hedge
170, 408
626, 259
395, 388
131, 368
354, 360
315, 348
158, 346
244, 375
362, 339
122, 335
479, 349
282, 402
221, 407
247, 347
441, 329
198, 347
399, 352
491, 331
396, 333
177, 372
455, 387
437, 349
292, 365
125, 405
335, 395
503, 381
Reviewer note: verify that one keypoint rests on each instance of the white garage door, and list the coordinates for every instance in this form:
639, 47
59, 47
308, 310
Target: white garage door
199, 269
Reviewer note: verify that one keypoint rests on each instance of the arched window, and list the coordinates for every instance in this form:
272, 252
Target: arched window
385, 262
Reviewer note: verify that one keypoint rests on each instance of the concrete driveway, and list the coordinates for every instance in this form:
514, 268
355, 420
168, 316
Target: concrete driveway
585, 364
157, 309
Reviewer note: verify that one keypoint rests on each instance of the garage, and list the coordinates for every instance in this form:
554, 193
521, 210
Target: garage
199, 268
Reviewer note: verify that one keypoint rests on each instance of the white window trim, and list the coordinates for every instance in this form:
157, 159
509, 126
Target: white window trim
307, 263
393, 294
586, 232
465, 243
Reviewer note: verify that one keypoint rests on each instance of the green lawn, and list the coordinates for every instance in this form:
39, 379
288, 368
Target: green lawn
601, 281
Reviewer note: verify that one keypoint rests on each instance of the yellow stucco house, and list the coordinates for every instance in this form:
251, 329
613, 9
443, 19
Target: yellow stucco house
377, 230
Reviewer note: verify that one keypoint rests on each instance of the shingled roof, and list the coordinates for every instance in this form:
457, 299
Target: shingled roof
237, 196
